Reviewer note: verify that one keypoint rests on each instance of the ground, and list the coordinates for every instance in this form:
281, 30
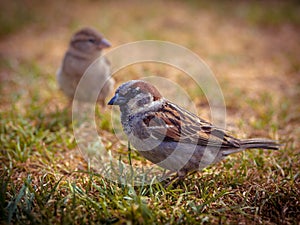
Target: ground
251, 47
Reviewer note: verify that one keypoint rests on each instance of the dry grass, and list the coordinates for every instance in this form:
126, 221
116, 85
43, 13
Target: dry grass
253, 49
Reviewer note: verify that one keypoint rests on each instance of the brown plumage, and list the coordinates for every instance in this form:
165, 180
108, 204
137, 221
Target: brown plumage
84, 50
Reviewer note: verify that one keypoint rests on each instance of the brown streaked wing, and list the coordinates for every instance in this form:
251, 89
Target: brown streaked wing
173, 123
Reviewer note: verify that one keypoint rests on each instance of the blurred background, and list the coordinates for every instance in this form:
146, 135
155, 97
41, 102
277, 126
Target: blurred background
252, 47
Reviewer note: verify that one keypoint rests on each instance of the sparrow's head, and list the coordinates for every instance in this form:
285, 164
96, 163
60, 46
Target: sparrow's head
89, 40
135, 94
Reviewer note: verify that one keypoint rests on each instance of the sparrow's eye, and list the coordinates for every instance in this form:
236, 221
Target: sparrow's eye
135, 91
92, 41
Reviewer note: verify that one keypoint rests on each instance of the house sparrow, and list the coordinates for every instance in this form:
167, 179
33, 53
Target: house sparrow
85, 47
171, 136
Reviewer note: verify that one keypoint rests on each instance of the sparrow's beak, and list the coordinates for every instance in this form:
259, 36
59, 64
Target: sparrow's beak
117, 100
112, 101
104, 43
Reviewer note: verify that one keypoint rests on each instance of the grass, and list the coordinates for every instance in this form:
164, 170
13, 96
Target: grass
44, 178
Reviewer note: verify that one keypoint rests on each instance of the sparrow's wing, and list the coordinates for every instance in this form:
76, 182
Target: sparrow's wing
175, 124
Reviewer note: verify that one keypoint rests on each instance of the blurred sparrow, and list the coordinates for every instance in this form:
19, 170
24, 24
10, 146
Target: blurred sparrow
171, 136
85, 47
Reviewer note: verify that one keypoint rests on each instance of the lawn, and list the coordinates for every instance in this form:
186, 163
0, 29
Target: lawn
253, 50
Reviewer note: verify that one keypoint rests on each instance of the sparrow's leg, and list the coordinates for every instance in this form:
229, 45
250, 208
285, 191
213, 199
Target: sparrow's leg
172, 181
179, 177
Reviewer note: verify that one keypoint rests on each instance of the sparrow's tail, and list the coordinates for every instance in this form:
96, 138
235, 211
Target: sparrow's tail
259, 143
254, 143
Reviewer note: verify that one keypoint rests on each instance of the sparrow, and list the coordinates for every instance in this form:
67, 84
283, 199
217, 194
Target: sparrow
85, 47
172, 137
